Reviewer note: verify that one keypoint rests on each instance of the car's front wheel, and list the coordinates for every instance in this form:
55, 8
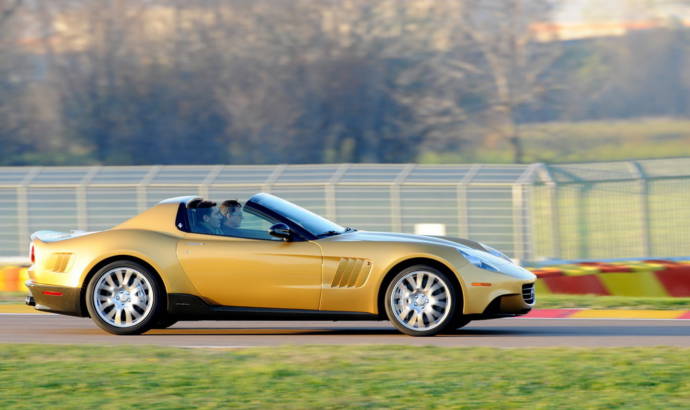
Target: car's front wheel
124, 298
421, 301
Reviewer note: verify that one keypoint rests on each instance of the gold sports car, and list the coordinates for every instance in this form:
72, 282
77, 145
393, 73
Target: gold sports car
180, 260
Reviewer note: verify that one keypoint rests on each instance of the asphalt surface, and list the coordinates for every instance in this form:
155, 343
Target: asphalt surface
515, 332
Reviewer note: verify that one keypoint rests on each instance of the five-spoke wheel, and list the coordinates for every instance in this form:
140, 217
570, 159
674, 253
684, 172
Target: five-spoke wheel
421, 301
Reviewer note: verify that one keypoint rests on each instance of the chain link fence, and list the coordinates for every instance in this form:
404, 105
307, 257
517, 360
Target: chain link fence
532, 212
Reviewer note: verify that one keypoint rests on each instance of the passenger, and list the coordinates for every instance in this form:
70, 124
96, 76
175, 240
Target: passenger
209, 220
232, 212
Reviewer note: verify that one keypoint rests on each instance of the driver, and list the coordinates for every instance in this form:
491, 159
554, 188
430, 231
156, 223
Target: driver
210, 220
232, 212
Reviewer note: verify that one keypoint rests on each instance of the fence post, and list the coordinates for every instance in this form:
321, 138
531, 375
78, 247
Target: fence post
519, 233
80, 191
554, 210
396, 215
277, 172
645, 217
329, 191
23, 211
522, 213
463, 203
141, 187
210, 177
582, 205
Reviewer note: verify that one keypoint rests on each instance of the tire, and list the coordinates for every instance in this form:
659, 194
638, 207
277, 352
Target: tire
125, 298
164, 322
458, 322
421, 301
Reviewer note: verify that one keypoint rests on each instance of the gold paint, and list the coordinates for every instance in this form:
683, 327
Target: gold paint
334, 273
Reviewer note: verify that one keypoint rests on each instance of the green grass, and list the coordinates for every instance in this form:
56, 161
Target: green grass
604, 140
610, 302
33, 376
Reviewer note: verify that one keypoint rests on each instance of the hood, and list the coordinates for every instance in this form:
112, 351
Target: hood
406, 237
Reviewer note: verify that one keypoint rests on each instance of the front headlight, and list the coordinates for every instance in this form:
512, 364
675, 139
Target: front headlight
487, 261
496, 252
476, 260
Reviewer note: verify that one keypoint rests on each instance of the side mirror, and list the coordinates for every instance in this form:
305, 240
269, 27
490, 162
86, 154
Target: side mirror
280, 231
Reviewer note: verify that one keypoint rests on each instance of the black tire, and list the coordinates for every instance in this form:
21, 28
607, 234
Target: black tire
164, 322
144, 282
458, 322
423, 299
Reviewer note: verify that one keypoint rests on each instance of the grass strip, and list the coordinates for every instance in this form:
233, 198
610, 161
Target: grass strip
611, 302
33, 376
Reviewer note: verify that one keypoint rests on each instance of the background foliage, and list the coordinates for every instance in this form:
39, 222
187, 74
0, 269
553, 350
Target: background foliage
262, 81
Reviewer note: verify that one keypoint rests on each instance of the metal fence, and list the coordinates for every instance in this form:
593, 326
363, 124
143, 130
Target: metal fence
603, 210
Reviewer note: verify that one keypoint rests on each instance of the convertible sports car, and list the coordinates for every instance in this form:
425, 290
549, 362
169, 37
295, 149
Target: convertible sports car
184, 259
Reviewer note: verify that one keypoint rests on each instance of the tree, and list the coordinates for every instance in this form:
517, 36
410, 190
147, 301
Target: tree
498, 51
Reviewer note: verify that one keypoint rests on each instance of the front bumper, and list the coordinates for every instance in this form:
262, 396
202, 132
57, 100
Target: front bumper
509, 305
55, 299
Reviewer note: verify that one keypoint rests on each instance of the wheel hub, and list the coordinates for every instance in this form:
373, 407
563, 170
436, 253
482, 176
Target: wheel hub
123, 297
421, 300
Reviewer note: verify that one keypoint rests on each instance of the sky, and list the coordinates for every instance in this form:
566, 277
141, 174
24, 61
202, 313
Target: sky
583, 11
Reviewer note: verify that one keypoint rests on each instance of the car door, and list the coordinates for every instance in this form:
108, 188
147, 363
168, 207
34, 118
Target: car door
262, 273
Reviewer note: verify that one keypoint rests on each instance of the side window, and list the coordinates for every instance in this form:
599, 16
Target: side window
256, 223
182, 219
250, 226
206, 220
205, 217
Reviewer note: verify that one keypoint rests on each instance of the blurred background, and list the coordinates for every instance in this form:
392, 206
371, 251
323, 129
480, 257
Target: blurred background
123, 82
379, 112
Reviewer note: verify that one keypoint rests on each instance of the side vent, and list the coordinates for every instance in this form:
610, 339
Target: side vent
58, 262
351, 273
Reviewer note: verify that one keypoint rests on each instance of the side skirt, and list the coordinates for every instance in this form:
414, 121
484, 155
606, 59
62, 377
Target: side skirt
189, 307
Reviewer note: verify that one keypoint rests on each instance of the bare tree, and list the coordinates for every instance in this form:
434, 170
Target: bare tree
497, 50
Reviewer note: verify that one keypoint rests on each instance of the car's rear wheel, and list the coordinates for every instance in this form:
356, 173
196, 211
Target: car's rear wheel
124, 298
164, 322
421, 301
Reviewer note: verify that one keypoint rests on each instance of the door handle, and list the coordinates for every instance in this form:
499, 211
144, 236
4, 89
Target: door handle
196, 243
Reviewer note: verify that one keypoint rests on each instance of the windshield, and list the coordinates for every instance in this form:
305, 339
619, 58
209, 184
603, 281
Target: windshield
315, 224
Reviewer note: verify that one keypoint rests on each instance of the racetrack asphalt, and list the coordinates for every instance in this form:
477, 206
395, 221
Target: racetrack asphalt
507, 333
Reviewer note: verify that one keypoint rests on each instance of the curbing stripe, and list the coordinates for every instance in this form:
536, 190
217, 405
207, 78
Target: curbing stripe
628, 314
640, 283
607, 314
649, 278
